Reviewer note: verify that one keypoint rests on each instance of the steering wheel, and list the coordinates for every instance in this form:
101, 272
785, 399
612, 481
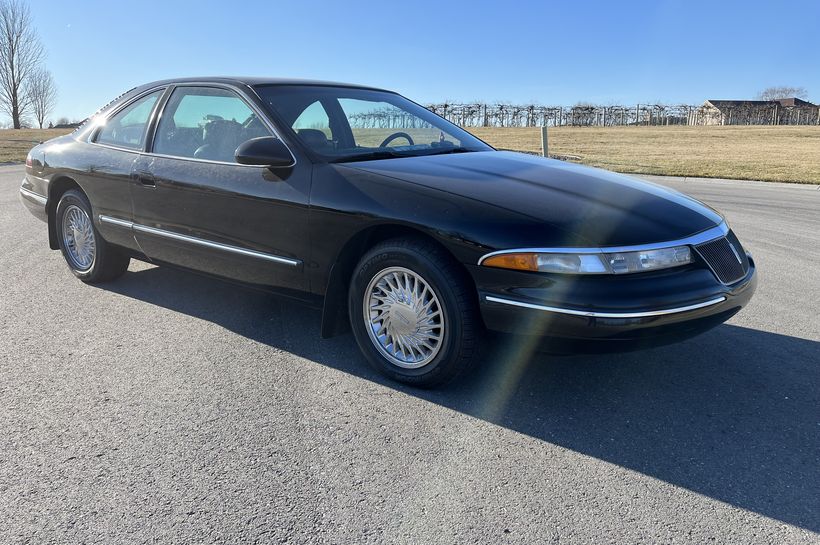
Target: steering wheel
397, 135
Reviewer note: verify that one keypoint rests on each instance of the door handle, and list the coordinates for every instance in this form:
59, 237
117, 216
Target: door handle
145, 179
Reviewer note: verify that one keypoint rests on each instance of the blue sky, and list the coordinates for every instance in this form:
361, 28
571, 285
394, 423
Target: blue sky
534, 51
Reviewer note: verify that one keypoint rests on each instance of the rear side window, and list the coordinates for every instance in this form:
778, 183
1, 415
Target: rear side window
206, 123
126, 129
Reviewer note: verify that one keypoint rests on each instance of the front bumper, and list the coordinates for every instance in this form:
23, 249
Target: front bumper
628, 312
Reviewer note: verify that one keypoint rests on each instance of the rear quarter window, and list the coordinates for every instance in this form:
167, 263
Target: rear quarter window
127, 128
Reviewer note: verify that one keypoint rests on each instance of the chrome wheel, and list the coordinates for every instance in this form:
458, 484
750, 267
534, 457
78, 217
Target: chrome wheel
403, 317
78, 238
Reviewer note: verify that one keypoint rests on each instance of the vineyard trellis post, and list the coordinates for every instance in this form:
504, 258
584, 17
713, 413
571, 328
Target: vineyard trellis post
544, 142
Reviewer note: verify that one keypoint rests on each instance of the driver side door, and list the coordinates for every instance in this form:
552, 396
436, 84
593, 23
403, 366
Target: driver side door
196, 207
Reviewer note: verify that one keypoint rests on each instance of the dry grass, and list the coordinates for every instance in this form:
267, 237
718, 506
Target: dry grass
15, 143
782, 154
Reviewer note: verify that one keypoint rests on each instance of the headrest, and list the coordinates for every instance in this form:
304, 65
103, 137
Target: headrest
314, 138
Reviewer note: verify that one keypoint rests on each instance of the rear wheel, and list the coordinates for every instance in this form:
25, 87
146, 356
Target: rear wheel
88, 256
413, 312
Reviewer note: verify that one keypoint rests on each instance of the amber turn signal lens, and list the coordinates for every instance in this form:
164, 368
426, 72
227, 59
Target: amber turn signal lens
520, 262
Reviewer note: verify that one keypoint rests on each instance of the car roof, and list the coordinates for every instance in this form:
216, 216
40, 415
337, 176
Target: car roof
226, 80
256, 80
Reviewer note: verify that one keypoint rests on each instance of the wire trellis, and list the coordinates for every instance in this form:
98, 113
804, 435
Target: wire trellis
533, 115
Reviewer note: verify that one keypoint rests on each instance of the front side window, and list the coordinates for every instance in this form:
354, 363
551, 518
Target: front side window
206, 123
347, 124
126, 128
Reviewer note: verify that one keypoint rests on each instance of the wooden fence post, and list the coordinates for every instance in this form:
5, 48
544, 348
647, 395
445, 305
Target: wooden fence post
544, 146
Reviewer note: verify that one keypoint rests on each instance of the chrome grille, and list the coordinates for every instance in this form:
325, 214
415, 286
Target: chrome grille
726, 257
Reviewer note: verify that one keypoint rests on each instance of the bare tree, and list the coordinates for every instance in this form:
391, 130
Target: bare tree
41, 94
20, 55
783, 91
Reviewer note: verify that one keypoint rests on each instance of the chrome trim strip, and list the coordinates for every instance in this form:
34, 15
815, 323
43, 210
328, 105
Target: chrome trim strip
199, 242
34, 196
698, 238
179, 158
127, 150
116, 221
198, 160
596, 314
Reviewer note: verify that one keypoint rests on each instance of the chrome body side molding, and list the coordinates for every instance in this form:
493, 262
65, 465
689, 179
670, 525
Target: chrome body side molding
597, 314
116, 221
198, 241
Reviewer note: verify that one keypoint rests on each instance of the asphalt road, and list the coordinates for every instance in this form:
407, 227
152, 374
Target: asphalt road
169, 408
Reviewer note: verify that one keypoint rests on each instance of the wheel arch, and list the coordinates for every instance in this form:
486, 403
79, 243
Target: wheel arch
334, 309
56, 188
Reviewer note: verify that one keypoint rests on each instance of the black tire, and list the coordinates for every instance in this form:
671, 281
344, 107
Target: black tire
108, 262
452, 287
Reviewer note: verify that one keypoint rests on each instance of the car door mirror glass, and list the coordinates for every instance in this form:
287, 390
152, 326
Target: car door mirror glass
265, 151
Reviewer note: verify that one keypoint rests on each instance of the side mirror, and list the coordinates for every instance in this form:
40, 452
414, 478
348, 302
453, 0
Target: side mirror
266, 151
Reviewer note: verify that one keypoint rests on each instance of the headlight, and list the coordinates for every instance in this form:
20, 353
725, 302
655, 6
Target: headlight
649, 260
592, 263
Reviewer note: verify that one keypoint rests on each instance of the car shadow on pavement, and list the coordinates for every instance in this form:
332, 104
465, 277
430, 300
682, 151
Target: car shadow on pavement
732, 414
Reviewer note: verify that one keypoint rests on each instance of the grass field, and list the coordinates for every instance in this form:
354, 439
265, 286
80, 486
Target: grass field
15, 143
783, 154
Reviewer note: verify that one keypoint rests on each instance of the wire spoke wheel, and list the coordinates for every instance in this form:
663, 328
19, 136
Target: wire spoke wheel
403, 317
78, 238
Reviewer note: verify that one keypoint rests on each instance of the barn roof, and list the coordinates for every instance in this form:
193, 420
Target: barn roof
785, 102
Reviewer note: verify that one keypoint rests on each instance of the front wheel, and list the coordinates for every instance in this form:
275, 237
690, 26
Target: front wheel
88, 256
413, 312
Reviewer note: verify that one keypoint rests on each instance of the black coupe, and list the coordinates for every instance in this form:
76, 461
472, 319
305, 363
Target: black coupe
397, 223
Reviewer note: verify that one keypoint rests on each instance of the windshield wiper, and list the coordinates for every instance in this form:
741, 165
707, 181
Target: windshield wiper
443, 151
391, 154
371, 155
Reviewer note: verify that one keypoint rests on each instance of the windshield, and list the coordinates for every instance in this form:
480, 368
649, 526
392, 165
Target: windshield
342, 124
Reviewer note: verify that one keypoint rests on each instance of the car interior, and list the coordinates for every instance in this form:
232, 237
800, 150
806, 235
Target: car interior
341, 124
216, 139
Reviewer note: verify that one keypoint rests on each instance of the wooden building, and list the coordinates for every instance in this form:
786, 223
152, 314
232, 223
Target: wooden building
786, 111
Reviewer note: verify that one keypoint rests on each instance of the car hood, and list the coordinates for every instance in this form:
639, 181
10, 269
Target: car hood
580, 205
